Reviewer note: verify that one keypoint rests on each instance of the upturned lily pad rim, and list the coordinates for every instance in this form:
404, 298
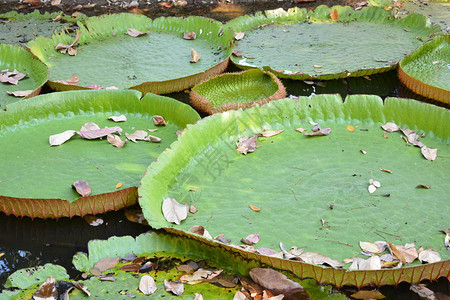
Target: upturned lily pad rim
414, 22
202, 103
417, 85
106, 26
93, 101
37, 15
160, 173
17, 57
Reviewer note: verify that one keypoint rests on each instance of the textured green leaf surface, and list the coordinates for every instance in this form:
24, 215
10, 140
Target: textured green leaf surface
320, 48
236, 90
294, 179
109, 57
22, 28
14, 57
437, 11
29, 277
426, 71
34, 170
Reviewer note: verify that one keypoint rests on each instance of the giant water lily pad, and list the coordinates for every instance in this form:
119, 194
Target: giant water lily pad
237, 90
302, 45
17, 28
426, 71
38, 178
437, 11
158, 61
312, 192
166, 252
16, 58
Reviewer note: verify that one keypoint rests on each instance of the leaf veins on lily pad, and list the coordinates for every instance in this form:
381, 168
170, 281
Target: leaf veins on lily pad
173, 211
82, 187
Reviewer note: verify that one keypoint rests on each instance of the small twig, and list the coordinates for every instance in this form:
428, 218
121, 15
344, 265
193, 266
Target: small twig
340, 243
295, 196
387, 233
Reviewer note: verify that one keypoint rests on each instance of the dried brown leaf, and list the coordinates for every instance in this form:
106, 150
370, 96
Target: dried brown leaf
93, 220
121, 118
98, 133
320, 132
319, 259
89, 126
138, 135
300, 129
174, 287
423, 291
20, 93
429, 153
115, 140
397, 253
61, 138
369, 247
130, 268
429, 256
390, 127
195, 57
247, 144
447, 238
275, 281
200, 230
239, 35
152, 139
251, 239
159, 120
239, 296
81, 287
47, 291
73, 80
135, 216
270, 133
147, 285
11, 77
334, 15
372, 263
367, 295
135, 33
173, 211
82, 188
106, 263
192, 209
409, 252
189, 35
201, 275
254, 208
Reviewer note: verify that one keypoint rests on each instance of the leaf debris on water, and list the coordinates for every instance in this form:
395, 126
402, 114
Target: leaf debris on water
176, 288
61, 138
247, 144
254, 208
115, 140
69, 49
147, 285
11, 77
73, 80
239, 35
20, 93
121, 118
275, 281
136, 33
189, 35
195, 56
159, 120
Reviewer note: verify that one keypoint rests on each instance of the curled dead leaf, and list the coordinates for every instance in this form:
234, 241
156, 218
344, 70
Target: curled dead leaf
61, 138
200, 230
135, 33
82, 187
147, 285
174, 287
121, 118
106, 263
159, 120
254, 208
138, 135
367, 295
47, 290
386, 170
270, 133
320, 132
275, 281
247, 144
98, 133
429, 256
300, 129
201, 275
423, 186
334, 15
390, 127
20, 93
118, 185
69, 49
251, 239
195, 57
429, 153
173, 211
319, 259
115, 140
189, 35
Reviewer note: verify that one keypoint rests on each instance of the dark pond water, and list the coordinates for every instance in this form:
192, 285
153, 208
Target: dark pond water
27, 243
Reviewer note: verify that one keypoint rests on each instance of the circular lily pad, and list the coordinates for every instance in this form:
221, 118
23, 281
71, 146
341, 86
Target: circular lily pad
426, 71
301, 45
237, 90
16, 58
312, 191
158, 61
39, 177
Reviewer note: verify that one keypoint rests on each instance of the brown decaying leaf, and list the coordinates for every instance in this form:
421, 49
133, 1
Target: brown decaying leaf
390, 127
334, 15
159, 120
275, 281
82, 187
247, 144
189, 35
61, 138
319, 259
367, 295
386, 170
201, 275
153, 139
11, 77
237, 53
115, 140
69, 49
239, 35
93, 220
20, 93
447, 238
397, 253
251, 239
370, 247
254, 208
136, 33
200, 230
174, 287
198, 296
423, 291
89, 126
118, 185
363, 151
173, 211
121, 118
300, 129
106, 263
192, 209
195, 57
408, 251
81, 287
135, 216
429, 256
138, 135
98, 133
321, 131
270, 133
47, 290
130, 268
372, 263
239, 296
73, 80
429, 153
147, 285
423, 186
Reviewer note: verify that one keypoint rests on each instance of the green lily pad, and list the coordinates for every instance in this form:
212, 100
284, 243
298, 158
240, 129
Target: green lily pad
20, 28
301, 45
14, 57
426, 71
157, 62
236, 90
29, 277
298, 181
40, 177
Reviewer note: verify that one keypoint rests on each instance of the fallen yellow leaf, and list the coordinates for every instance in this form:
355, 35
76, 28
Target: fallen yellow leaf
350, 128
119, 185
254, 208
